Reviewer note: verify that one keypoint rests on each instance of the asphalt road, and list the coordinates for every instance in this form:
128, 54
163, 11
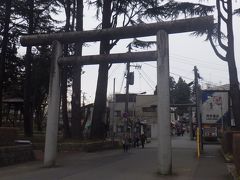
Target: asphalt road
137, 164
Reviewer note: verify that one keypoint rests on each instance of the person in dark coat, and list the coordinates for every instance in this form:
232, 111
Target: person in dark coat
136, 141
124, 144
143, 139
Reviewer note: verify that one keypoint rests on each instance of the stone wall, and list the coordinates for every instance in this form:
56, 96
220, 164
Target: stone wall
15, 154
7, 135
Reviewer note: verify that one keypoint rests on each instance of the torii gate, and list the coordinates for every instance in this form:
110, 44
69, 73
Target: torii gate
161, 30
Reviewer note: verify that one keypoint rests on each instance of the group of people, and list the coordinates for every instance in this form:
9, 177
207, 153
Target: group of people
178, 129
128, 142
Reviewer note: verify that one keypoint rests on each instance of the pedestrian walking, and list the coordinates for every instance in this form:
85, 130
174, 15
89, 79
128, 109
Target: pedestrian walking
129, 142
194, 131
143, 139
124, 144
136, 141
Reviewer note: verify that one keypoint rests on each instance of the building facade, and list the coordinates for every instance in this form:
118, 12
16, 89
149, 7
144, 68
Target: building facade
141, 116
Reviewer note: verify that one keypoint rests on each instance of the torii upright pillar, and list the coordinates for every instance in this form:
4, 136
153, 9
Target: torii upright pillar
163, 108
50, 152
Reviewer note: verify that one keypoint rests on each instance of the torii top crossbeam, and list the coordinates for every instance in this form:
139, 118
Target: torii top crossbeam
176, 26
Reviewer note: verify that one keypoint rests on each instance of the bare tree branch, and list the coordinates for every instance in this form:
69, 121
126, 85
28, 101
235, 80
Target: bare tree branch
224, 5
215, 49
237, 11
223, 46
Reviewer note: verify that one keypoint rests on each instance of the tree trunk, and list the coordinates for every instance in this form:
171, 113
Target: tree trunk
66, 128
4, 51
233, 75
28, 125
38, 118
98, 124
229, 57
234, 91
76, 86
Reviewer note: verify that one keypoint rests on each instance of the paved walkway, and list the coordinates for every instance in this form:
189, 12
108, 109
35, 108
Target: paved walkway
139, 164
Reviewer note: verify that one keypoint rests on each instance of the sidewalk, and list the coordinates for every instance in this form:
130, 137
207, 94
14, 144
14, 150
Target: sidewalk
139, 164
210, 166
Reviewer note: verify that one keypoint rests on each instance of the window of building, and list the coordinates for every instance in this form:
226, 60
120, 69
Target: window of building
149, 109
118, 113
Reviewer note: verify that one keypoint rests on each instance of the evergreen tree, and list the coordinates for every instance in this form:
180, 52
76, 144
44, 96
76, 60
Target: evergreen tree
26, 17
225, 15
97, 128
131, 12
64, 72
172, 86
4, 46
181, 95
172, 9
77, 127
40, 82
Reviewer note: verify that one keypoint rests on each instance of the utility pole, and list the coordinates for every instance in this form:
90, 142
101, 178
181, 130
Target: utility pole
129, 75
127, 98
83, 99
198, 111
190, 123
127, 92
127, 87
113, 110
129, 81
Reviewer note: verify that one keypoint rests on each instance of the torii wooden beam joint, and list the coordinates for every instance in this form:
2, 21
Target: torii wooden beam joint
171, 27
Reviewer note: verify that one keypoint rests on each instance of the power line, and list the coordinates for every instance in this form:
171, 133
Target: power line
171, 72
150, 65
184, 70
145, 79
203, 81
113, 71
195, 59
182, 75
148, 77
199, 64
201, 61
219, 75
122, 82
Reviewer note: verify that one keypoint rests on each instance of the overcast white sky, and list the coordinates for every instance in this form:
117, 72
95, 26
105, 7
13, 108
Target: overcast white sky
185, 52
